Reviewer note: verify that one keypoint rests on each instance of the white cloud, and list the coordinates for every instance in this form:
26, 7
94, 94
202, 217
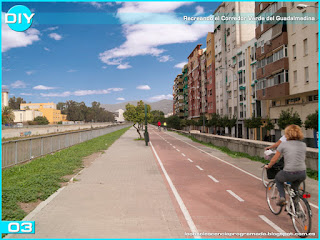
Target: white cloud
55, 36
143, 87
18, 84
165, 58
100, 5
104, 67
13, 39
72, 70
81, 92
143, 38
200, 10
25, 94
180, 65
51, 29
41, 87
6, 69
160, 97
4, 86
124, 66
120, 99
47, 49
30, 72
64, 94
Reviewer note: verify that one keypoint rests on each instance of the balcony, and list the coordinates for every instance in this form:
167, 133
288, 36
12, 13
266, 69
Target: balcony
273, 92
271, 68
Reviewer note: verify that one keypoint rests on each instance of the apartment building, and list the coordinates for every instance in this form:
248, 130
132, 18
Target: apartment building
5, 97
185, 91
203, 83
287, 69
178, 100
228, 37
211, 89
194, 82
245, 61
49, 110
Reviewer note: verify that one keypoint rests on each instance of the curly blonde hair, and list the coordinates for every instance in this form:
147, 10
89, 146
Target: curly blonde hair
293, 132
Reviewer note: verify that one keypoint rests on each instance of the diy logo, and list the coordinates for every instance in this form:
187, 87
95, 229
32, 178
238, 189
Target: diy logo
19, 18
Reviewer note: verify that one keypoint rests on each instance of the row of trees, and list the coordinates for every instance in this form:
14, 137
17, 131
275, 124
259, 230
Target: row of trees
80, 112
286, 118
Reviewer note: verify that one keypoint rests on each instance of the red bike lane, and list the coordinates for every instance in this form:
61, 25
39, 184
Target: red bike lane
219, 197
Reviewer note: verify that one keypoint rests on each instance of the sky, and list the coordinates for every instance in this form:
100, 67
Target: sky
107, 52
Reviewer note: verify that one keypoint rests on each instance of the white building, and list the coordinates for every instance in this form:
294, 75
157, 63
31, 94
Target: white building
5, 98
21, 116
119, 115
228, 37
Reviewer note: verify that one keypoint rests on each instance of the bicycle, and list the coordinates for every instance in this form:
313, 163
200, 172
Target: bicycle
297, 207
267, 178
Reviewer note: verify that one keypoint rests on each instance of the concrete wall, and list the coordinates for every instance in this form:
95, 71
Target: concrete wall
41, 130
252, 147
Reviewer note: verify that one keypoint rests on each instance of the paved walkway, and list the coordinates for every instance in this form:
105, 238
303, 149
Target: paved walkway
121, 195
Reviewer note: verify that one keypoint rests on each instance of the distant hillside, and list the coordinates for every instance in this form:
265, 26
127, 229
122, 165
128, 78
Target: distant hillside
163, 105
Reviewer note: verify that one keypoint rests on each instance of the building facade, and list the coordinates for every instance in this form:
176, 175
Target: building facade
228, 37
211, 86
21, 116
178, 100
5, 97
185, 91
288, 63
49, 110
194, 82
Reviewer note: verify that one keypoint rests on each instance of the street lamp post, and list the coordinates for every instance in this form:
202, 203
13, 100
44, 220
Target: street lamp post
146, 134
303, 6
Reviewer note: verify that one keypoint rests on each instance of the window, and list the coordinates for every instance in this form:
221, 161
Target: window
292, 4
262, 46
294, 50
295, 77
306, 74
243, 59
317, 46
305, 47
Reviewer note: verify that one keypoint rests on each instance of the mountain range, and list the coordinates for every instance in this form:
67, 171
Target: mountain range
163, 105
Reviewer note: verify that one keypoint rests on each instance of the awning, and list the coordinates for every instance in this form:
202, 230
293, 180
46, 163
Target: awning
234, 57
255, 81
242, 88
253, 63
239, 53
252, 84
239, 71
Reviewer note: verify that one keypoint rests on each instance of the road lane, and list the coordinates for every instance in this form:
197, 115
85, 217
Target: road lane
211, 206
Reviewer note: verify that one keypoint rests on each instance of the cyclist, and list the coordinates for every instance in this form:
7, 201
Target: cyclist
294, 152
165, 126
159, 126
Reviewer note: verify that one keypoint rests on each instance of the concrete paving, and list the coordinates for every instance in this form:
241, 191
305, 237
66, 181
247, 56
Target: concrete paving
121, 195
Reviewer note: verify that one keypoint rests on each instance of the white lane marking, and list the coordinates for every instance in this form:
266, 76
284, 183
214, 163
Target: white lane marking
183, 154
199, 168
215, 180
273, 225
183, 208
170, 144
190, 160
178, 150
313, 205
235, 195
173, 146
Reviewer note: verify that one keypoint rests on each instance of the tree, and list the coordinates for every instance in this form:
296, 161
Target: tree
158, 116
287, 117
62, 107
174, 122
312, 121
231, 123
136, 115
14, 103
254, 122
41, 120
269, 125
7, 115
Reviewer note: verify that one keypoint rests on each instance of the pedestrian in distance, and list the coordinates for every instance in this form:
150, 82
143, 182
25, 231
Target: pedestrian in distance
294, 152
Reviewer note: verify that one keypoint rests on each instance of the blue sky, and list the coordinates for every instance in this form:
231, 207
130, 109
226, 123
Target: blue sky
110, 62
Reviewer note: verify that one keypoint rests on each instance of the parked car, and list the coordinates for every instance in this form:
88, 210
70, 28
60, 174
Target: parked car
19, 125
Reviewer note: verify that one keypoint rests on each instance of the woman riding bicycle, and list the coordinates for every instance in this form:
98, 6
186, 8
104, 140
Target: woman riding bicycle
294, 152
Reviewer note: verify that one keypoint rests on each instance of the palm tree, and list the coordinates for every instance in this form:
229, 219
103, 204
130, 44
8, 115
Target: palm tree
7, 115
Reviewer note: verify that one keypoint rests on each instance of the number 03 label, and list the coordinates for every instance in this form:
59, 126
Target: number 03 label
17, 227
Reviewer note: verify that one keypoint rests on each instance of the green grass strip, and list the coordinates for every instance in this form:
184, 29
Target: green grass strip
41, 177
310, 173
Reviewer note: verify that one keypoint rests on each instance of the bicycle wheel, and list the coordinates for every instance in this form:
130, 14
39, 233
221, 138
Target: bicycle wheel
273, 197
301, 220
264, 177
